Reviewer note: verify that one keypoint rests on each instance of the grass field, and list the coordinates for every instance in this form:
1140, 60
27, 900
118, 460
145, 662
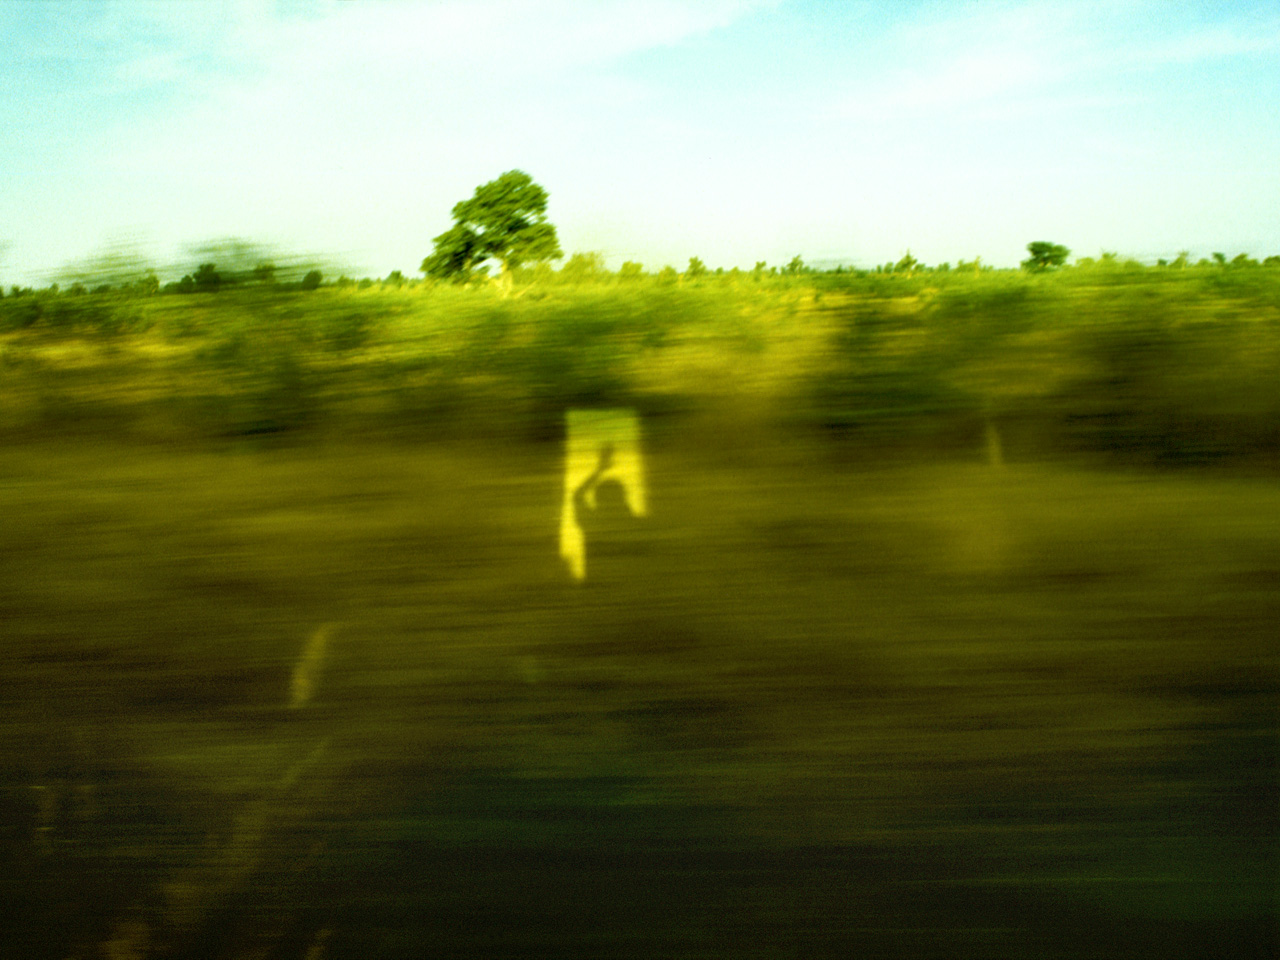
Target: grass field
335, 696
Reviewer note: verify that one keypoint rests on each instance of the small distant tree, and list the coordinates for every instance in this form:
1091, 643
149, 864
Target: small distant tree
395, 279
631, 270
146, 286
1272, 261
186, 285
237, 259
759, 269
1243, 260
265, 273
695, 269
668, 275
907, 264
583, 267
1180, 261
1220, 259
795, 266
206, 278
1045, 256
312, 280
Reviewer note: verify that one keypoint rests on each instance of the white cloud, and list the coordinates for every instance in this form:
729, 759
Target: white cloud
959, 58
988, 61
1213, 44
151, 69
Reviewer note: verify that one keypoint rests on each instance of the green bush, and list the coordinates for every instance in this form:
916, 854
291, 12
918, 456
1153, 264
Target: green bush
20, 312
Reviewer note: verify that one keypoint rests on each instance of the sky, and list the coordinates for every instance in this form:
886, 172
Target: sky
730, 130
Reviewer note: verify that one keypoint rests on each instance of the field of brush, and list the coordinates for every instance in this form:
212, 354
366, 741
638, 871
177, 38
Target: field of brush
950, 631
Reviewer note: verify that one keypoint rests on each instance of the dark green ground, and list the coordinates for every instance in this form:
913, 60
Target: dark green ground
806, 709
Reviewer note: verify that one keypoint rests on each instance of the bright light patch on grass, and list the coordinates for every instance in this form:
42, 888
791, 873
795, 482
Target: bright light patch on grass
589, 434
306, 673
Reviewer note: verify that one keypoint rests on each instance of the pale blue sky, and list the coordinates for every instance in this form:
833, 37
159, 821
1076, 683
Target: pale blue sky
732, 130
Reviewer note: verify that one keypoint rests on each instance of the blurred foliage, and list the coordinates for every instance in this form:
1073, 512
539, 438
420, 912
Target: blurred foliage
583, 267
1167, 365
1037, 696
1045, 256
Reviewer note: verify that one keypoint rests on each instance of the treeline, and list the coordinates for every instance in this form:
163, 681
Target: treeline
1137, 364
591, 267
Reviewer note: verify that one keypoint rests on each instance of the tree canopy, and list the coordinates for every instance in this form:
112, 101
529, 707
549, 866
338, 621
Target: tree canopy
207, 278
1045, 255
504, 220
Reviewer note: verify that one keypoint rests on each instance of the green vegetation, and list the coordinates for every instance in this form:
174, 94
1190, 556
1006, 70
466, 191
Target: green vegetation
504, 220
950, 632
1107, 360
1045, 256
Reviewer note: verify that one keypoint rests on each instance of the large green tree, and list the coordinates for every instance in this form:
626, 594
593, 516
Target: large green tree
505, 220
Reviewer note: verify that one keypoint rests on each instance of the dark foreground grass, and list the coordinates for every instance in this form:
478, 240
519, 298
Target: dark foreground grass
801, 710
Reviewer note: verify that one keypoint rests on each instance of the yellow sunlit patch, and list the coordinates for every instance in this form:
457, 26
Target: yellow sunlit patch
599, 445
